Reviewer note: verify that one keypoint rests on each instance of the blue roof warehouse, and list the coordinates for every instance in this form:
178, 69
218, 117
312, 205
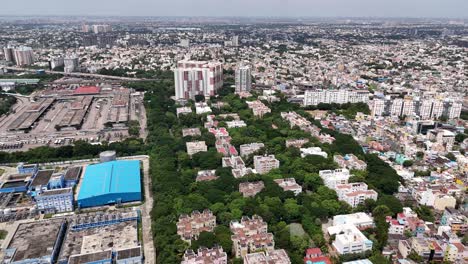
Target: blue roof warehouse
110, 183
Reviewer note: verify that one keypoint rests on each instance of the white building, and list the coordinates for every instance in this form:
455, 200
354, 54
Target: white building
264, 164
243, 79
289, 184
71, 64
236, 123
197, 78
360, 220
332, 178
313, 151
355, 193
57, 200
349, 240
341, 96
202, 108
251, 148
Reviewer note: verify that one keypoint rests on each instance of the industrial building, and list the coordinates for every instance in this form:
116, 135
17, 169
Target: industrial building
111, 182
36, 242
100, 238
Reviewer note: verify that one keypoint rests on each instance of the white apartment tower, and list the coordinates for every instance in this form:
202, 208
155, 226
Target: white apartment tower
243, 79
197, 78
23, 56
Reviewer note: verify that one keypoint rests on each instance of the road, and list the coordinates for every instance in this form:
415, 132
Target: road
79, 74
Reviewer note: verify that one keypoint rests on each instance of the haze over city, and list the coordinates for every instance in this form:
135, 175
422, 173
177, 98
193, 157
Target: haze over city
288, 8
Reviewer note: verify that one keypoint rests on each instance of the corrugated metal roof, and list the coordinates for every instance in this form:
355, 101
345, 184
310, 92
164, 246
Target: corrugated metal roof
111, 177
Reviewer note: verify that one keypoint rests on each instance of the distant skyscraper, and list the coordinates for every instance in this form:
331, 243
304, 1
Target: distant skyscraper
235, 40
24, 56
85, 28
243, 79
9, 54
197, 78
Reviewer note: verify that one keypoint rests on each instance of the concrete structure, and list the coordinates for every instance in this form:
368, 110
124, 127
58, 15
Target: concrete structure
190, 226
251, 148
297, 143
360, 220
183, 110
259, 109
313, 151
204, 255
110, 155
36, 242
355, 193
250, 235
23, 56
348, 239
195, 147
206, 175
332, 178
53, 201
350, 161
289, 184
425, 109
315, 97
243, 79
197, 78
71, 64
191, 132
264, 164
111, 182
101, 29
250, 189
278, 256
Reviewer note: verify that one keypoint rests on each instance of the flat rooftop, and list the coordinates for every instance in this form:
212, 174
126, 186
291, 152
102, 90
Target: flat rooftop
122, 235
90, 258
35, 240
73, 173
42, 177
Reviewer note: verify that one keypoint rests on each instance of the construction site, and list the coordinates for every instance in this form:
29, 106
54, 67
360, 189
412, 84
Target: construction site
65, 113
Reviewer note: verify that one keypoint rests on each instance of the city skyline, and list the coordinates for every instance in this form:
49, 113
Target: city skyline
258, 8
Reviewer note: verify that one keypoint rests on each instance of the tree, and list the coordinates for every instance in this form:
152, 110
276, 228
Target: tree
407, 163
451, 157
380, 213
199, 98
205, 239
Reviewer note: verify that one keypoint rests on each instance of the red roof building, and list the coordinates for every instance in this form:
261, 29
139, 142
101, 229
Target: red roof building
87, 90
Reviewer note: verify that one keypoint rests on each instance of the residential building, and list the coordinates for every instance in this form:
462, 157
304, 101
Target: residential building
442, 137
206, 175
251, 148
236, 123
191, 132
297, 143
350, 161
190, 226
278, 256
243, 79
23, 56
202, 108
264, 164
349, 240
355, 193
250, 235
315, 256
250, 189
259, 109
195, 147
183, 110
341, 96
214, 255
332, 178
313, 151
360, 220
425, 109
289, 184
197, 78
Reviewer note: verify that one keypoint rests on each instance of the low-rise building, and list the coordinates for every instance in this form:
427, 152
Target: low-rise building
264, 164
297, 143
56, 200
278, 256
250, 189
236, 123
259, 109
190, 226
251, 148
360, 220
183, 110
350, 161
195, 147
355, 193
202, 108
313, 151
349, 240
206, 175
332, 178
214, 255
191, 132
289, 184
250, 235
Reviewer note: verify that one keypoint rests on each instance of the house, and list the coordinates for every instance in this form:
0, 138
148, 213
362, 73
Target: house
250, 235
190, 226
289, 184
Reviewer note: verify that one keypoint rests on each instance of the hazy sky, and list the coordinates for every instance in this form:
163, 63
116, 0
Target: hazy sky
312, 8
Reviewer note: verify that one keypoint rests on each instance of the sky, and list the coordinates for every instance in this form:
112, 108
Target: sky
283, 8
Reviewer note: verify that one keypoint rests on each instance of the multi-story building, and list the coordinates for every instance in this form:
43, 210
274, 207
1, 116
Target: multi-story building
297, 143
332, 178
236, 123
56, 200
442, 137
183, 110
71, 64
341, 96
214, 255
313, 151
191, 132
349, 239
190, 226
425, 109
250, 235
278, 256
355, 193
202, 108
101, 29
238, 166
360, 220
250, 189
195, 147
264, 164
243, 79
289, 184
350, 161
206, 175
423, 247
251, 148
258, 108
23, 56
197, 78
